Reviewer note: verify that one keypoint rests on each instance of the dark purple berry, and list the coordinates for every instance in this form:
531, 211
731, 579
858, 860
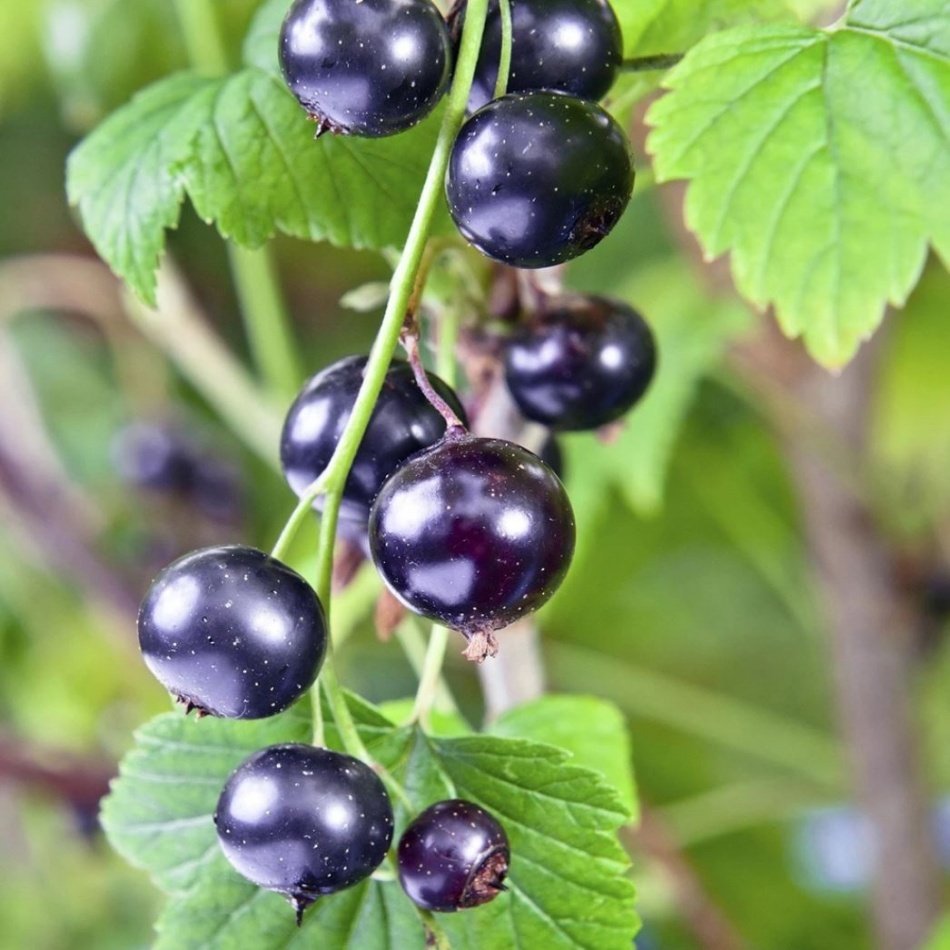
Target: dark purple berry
304, 821
154, 457
535, 180
453, 856
473, 533
572, 46
580, 363
232, 632
366, 67
403, 423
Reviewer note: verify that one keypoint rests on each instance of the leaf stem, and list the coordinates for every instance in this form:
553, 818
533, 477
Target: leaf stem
403, 283
645, 64
504, 54
265, 319
430, 680
199, 28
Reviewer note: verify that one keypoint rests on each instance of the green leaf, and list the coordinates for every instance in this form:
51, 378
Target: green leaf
263, 38
819, 160
225, 912
244, 151
911, 423
692, 331
158, 812
569, 883
592, 730
651, 27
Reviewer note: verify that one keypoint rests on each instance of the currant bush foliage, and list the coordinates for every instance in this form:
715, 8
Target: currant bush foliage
819, 159
568, 883
244, 152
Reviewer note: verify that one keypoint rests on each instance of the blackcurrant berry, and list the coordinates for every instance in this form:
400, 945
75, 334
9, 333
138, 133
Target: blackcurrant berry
572, 46
232, 632
154, 457
304, 821
535, 180
403, 423
581, 362
473, 533
366, 67
453, 856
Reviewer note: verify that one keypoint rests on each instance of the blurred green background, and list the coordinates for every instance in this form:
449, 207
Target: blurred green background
691, 603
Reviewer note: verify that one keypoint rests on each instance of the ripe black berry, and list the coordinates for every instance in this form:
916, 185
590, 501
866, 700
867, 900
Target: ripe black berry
403, 423
535, 180
304, 821
572, 46
453, 856
231, 632
366, 67
473, 533
581, 363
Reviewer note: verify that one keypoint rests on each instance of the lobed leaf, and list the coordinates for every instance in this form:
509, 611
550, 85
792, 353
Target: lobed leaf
244, 151
569, 883
819, 161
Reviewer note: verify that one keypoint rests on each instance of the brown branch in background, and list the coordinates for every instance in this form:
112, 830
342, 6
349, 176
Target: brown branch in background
711, 928
80, 782
873, 637
53, 520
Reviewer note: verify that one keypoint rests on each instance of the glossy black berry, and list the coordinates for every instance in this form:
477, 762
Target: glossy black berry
473, 533
572, 46
581, 362
366, 67
304, 821
455, 855
535, 180
553, 457
232, 632
403, 423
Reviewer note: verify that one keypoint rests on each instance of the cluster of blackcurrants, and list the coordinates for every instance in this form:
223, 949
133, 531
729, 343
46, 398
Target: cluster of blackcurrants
473, 533
535, 177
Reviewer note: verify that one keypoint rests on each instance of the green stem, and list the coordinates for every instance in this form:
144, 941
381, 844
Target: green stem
413, 643
504, 55
266, 320
179, 329
703, 712
644, 64
199, 28
430, 680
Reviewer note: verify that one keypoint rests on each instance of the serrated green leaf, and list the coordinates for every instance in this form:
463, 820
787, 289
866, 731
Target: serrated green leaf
819, 160
260, 44
593, 730
158, 812
122, 179
692, 331
225, 912
244, 151
569, 883
651, 27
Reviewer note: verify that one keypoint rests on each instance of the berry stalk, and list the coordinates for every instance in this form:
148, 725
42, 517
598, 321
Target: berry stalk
403, 283
504, 53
